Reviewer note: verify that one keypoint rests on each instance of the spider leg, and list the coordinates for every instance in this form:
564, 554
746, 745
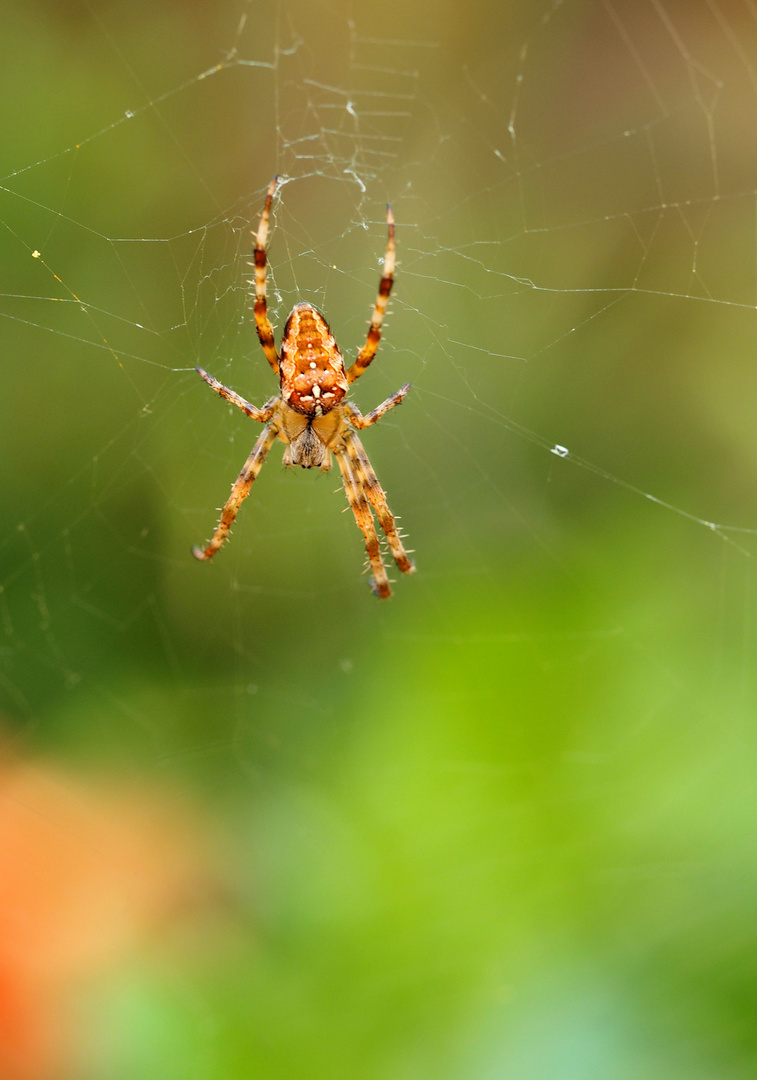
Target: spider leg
364, 519
239, 491
359, 421
368, 482
368, 350
263, 415
265, 331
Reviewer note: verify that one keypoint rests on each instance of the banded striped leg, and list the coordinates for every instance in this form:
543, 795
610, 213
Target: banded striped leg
265, 331
368, 350
263, 415
239, 492
368, 481
359, 421
364, 519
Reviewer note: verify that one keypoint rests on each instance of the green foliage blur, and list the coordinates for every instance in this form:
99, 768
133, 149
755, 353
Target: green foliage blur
501, 826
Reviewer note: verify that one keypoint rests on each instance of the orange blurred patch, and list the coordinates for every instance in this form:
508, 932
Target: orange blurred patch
85, 875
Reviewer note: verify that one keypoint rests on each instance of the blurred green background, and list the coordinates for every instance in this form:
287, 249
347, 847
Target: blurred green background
503, 824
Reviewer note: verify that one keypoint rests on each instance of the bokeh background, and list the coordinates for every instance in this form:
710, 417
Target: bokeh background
252, 821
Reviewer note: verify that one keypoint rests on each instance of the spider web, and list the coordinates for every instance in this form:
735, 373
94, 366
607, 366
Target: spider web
557, 705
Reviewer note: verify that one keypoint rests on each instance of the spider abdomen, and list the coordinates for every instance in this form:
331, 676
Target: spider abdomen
311, 368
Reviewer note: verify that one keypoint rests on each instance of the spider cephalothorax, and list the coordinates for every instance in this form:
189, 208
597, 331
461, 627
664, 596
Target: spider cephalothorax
311, 415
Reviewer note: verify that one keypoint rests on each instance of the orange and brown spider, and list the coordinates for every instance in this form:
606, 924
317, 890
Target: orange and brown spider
311, 416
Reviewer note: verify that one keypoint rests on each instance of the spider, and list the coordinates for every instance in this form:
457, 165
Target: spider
311, 415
